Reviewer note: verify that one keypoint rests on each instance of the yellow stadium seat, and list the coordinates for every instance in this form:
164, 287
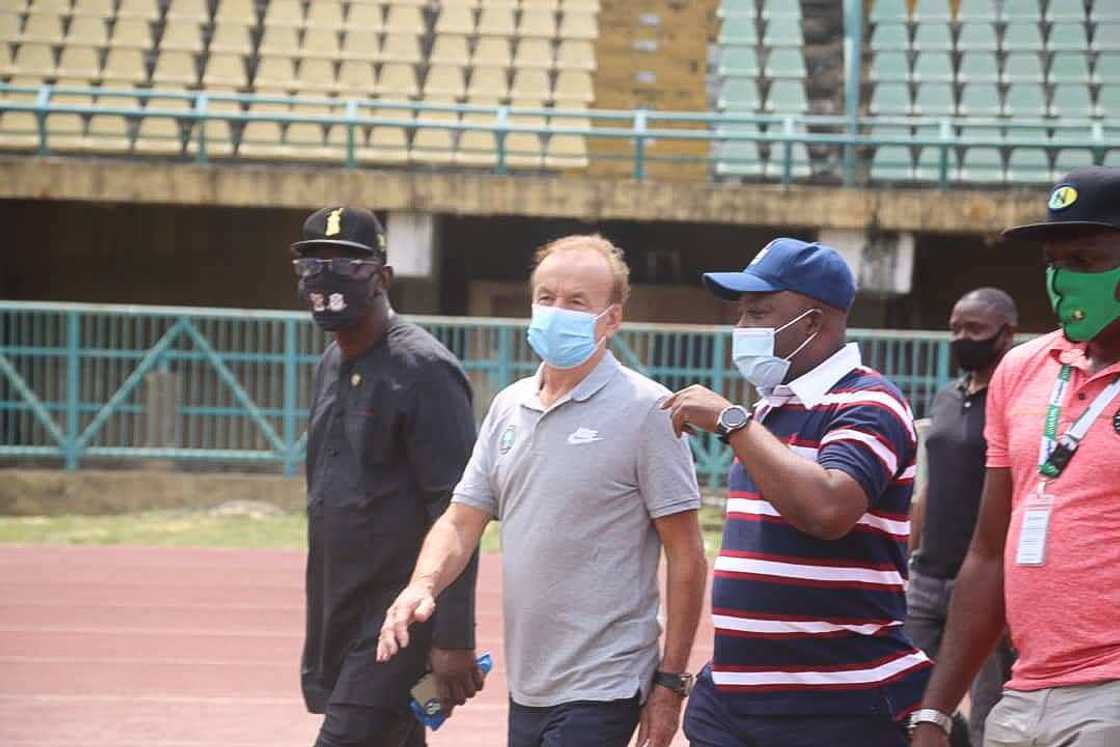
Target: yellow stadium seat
124, 66
43, 27
492, 52
355, 78
316, 75
225, 69
9, 29
567, 151
433, 144
79, 62
242, 12
184, 36
284, 13
219, 139
523, 149
87, 31
107, 133
488, 83
263, 139
58, 7
550, 5
477, 147
574, 87
534, 53
31, 82
387, 143
279, 40
160, 136
305, 140
576, 54
444, 82
175, 69
59, 95
364, 17
320, 42
586, 6
449, 49
401, 48
538, 23
65, 132
360, 45
275, 73
404, 19
496, 22
338, 143
188, 10
461, 3
579, 25
530, 84
34, 60
146, 10
397, 81
325, 14
133, 33
19, 131
231, 37
455, 19
96, 8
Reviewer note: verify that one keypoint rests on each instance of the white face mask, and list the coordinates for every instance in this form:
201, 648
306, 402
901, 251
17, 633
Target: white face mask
752, 349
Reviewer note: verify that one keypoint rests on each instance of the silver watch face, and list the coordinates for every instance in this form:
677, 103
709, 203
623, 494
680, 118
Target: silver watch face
732, 418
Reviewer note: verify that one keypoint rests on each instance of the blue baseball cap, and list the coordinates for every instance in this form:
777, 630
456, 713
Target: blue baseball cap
813, 270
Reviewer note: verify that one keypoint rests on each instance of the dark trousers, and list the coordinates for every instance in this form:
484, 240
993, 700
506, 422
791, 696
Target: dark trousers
708, 724
348, 725
927, 605
582, 723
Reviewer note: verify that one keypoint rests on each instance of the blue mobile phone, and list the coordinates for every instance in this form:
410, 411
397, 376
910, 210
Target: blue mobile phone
425, 703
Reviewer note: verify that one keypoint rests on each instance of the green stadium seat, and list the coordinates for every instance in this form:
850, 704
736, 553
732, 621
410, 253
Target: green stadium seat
738, 62
979, 67
1068, 37
981, 163
1108, 101
1104, 12
1020, 36
1106, 37
933, 37
969, 11
891, 162
933, 67
1068, 159
780, 9
890, 36
933, 11
927, 167
1072, 100
1028, 161
740, 157
738, 30
891, 98
1023, 10
1059, 11
1026, 100
1070, 67
739, 94
1112, 158
980, 100
1105, 68
785, 62
1023, 67
783, 31
890, 66
787, 97
889, 11
800, 164
934, 99
977, 36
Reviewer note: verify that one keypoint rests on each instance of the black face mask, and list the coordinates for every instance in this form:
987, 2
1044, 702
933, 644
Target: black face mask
337, 302
975, 355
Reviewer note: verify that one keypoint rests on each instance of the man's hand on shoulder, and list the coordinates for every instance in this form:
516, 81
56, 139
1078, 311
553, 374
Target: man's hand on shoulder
457, 676
661, 717
414, 604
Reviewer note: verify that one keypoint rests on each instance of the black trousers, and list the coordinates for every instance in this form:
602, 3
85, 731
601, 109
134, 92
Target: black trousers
346, 725
582, 723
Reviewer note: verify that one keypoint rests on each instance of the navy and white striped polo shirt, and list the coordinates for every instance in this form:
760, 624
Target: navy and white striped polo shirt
806, 625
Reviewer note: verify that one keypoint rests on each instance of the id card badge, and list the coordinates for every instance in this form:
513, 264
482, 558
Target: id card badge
1036, 525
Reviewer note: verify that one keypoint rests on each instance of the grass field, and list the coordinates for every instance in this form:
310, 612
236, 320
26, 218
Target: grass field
209, 529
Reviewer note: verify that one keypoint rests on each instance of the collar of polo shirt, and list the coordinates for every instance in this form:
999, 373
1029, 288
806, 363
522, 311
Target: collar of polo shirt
810, 387
584, 390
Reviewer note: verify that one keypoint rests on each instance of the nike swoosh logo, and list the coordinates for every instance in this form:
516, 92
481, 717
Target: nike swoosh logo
576, 441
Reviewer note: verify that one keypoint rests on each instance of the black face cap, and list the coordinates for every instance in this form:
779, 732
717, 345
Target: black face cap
1086, 201
349, 228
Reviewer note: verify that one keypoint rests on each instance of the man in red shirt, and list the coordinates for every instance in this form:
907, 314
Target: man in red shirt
1045, 557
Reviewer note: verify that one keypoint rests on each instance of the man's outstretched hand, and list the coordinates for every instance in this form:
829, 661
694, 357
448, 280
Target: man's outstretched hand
414, 604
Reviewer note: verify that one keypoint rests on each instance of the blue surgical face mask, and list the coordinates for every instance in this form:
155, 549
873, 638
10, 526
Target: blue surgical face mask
752, 349
563, 338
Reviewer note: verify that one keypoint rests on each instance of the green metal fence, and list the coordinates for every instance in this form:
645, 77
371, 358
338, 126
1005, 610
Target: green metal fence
87, 383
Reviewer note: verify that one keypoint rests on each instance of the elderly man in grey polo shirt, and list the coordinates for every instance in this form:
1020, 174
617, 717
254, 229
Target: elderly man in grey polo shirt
583, 469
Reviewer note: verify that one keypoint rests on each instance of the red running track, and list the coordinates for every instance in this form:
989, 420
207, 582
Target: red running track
155, 647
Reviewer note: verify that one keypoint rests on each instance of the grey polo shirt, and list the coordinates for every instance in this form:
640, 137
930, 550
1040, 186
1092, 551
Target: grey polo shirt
576, 487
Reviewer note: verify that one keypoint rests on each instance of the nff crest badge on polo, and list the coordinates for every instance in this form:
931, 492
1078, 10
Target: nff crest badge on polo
505, 442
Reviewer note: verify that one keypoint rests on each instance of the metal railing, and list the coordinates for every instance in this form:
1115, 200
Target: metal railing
641, 129
88, 383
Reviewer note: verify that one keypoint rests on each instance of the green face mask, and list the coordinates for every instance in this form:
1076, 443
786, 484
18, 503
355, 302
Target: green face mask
1085, 302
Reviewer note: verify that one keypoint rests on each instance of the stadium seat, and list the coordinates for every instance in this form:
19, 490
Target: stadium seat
1059, 11
785, 62
1072, 100
524, 149
387, 143
192, 11
573, 87
19, 131
434, 145
496, 21
320, 42
124, 66
783, 31
552, 5
107, 134
95, 8
977, 36
927, 166
34, 60
175, 69
144, 10
1106, 37
232, 38
284, 13
43, 28
450, 49
356, 78
364, 17
567, 151
1070, 67
969, 11
79, 62
981, 163
980, 100
934, 99
934, 11
279, 40
1028, 160
492, 52
780, 9
1108, 101
739, 95
932, 37
58, 7
10, 24
403, 19
890, 36
890, 66
131, 33
306, 141
315, 75
738, 62
1068, 159
160, 136
933, 67
455, 19
578, 25
891, 98
537, 23
1022, 37
444, 82
891, 162
1022, 10
225, 69
360, 46
979, 67
800, 165
738, 157
534, 53
889, 11
1026, 100
183, 36
740, 31
401, 48
477, 147
576, 54
398, 80
1068, 37
1104, 68
1023, 67
262, 140
219, 138
787, 97
240, 12
275, 73
66, 133
325, 14
1112, 158
488, 83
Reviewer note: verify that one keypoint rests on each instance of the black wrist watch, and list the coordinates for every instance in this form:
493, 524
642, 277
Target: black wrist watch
734, 418
681, 683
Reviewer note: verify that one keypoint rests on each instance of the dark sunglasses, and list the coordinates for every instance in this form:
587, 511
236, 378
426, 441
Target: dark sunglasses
361, 269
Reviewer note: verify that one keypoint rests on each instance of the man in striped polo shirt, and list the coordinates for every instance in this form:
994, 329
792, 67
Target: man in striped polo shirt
808, 597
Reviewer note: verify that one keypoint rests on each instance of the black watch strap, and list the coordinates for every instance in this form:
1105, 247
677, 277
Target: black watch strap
680, 683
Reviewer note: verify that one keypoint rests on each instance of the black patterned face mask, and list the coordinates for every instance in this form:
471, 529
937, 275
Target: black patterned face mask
337, 302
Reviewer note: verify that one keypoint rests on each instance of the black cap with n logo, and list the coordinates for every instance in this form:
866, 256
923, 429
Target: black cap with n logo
346, 227
1087, 199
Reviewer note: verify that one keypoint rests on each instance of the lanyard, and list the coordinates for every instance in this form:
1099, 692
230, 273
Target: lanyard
1056, 452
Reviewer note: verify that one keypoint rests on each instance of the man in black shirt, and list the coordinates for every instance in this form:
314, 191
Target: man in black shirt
983, 326
391, 429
